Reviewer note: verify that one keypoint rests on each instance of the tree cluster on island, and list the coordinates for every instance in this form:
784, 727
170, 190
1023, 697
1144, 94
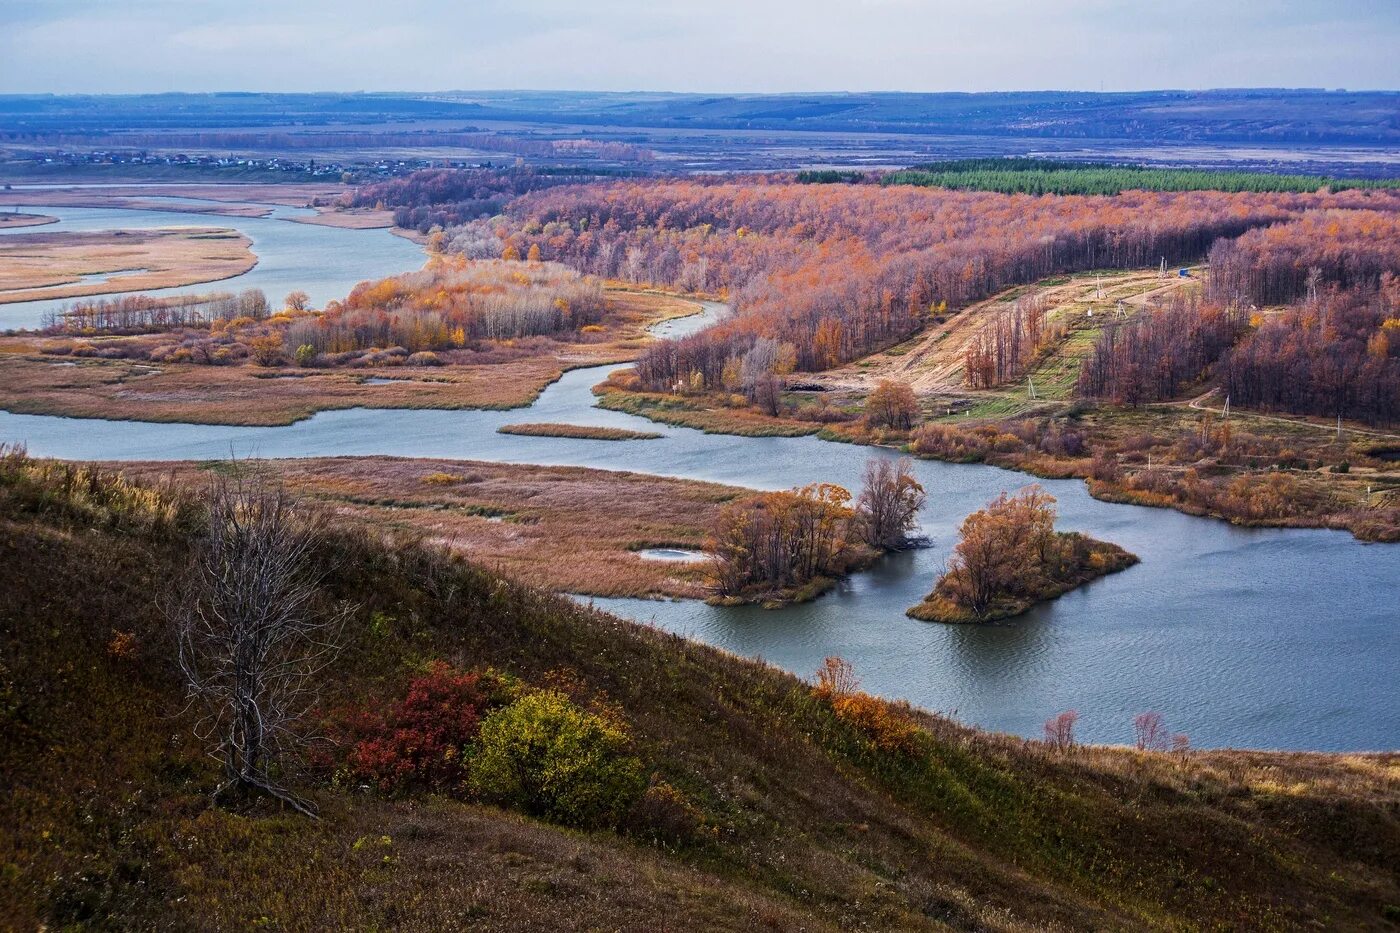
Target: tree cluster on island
1009, 557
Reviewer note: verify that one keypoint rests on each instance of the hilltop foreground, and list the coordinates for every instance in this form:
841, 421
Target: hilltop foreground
771, 804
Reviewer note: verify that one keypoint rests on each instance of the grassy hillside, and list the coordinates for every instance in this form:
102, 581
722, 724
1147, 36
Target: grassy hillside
803, 810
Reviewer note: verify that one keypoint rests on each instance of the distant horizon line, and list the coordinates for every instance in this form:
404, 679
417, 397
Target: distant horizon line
715, 93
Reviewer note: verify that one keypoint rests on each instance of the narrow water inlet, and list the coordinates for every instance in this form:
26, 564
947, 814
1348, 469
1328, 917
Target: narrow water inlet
673, 554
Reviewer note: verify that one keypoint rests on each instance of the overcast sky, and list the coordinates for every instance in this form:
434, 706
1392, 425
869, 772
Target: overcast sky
695, 45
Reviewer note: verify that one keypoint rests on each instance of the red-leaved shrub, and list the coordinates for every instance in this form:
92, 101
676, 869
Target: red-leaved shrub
419, 741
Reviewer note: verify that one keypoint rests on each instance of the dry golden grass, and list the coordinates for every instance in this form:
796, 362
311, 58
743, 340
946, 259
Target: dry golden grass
810, 813
248, 198
31, 382
567, 529
932, 361
362, 218
53, 265
581, 431
249, 395
12, 220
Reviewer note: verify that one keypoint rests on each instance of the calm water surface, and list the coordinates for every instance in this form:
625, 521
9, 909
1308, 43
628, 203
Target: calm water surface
324, 262
1240, 637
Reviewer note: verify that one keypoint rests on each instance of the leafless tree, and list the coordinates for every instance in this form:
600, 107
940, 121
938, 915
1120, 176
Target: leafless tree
1059, 730
889, 503
251, 642
1150, 732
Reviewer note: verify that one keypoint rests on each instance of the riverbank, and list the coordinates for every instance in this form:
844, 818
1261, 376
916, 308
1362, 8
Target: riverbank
14, 220
769, 597
577, 431
563, 529
1249, 468
1267, 472
144, 378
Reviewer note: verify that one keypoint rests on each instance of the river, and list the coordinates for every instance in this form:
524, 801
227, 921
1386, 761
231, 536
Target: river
1257, 638
325, 262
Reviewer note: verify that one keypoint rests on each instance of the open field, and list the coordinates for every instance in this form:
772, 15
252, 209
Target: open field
34, 377
13, 219
565, 529
349, 219
792, 807
932, 361
74, 265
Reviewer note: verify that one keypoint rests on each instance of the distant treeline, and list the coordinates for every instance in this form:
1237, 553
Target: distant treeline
1042, 176
1335, 354
444, 197
530, 146
830, 176
132, 314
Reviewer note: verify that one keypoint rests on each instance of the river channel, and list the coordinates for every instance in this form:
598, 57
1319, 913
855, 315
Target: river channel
1259, 638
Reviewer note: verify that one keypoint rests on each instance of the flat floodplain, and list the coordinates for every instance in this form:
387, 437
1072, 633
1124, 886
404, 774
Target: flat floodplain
35, 266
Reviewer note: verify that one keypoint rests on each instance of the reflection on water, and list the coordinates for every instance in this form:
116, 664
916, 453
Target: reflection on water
1244, 637
674, 554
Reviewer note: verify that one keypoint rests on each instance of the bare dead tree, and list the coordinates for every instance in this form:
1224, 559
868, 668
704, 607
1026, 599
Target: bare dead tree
1059, 730
1150, 732
889, 503
250, 641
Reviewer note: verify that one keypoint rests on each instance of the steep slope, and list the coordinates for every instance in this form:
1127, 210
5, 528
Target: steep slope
811, 814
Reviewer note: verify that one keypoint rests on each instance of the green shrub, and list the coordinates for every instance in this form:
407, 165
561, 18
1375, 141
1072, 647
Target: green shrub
543, 755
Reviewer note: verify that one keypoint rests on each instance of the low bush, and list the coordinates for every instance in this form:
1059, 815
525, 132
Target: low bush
545, 756
874, 717
423, 740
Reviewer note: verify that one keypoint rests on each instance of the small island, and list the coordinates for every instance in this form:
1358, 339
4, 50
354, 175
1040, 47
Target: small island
1009, 558
777, 548
586, 432
16, 219
76, 264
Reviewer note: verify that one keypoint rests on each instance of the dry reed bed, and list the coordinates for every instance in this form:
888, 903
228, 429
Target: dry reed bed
580, 431
52, 265
248, 199
567, 529
13, 220
31, 382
